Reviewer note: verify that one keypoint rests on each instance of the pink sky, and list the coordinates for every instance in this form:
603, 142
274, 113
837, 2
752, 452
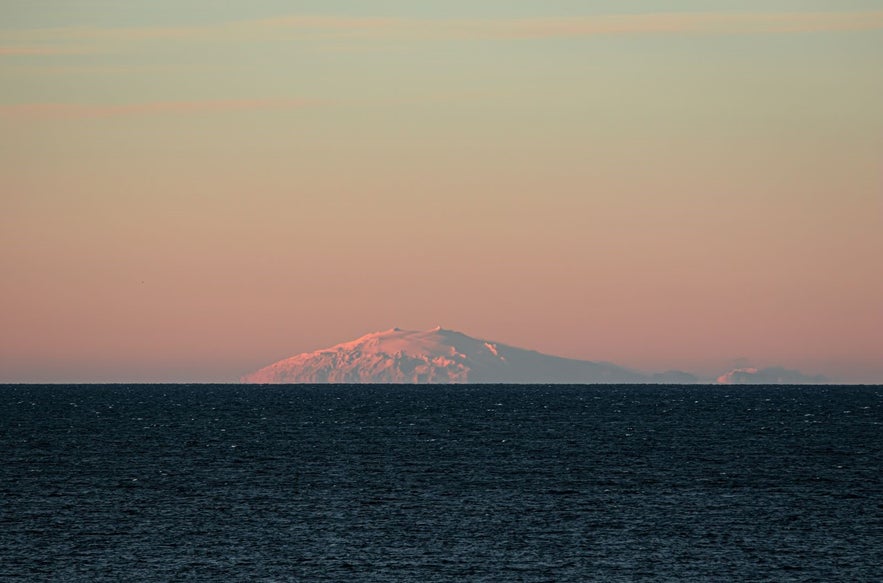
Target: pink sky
192, 200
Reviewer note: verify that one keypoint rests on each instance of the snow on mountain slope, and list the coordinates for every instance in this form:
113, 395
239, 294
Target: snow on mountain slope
435, 356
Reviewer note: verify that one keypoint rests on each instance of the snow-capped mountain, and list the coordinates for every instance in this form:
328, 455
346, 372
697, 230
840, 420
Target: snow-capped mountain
435, 356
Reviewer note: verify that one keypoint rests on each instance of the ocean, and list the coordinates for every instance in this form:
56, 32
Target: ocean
441, 483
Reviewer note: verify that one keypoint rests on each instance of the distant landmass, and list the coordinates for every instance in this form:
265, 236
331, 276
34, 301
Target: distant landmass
446, 356
440, 356
769, 376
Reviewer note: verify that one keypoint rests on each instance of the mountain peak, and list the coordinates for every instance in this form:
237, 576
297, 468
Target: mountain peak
436, 355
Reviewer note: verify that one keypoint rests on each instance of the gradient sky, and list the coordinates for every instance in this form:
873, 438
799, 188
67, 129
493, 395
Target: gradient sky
192, 189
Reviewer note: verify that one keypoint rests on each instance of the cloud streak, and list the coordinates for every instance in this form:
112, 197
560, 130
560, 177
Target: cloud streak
37, 111
9, 51
687, 23
305, 27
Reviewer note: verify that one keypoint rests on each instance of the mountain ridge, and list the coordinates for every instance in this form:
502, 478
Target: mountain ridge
436, 356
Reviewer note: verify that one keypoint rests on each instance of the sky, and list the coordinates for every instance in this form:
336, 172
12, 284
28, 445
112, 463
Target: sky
192, 189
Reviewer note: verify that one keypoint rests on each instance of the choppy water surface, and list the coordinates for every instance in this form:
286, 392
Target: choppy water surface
464, 483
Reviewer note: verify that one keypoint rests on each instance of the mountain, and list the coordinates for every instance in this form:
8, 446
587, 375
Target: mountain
435, 356
768, 376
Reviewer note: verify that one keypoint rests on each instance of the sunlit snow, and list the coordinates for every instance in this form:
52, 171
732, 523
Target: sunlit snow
435, 356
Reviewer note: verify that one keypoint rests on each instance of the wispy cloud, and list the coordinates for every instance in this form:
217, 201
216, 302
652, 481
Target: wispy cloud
658, 23
6, 51
38, 111
317, 27
681, 23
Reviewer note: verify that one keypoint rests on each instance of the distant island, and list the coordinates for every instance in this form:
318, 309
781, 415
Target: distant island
436, 356
441, 356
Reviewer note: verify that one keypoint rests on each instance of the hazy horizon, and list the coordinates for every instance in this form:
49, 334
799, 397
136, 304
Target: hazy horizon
193, 190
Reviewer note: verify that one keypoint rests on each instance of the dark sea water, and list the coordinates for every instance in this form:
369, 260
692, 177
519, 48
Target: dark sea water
441, 483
